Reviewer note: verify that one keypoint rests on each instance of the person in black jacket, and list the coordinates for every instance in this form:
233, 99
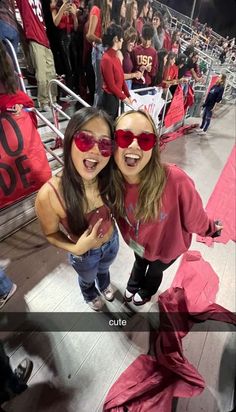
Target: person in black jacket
214, 96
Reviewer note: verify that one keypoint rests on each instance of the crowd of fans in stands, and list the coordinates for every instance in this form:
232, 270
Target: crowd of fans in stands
98, 44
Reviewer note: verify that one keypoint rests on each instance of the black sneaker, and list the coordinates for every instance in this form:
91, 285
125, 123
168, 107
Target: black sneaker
24, 370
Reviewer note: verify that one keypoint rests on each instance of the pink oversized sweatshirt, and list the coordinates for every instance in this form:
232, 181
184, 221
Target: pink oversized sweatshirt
181, 214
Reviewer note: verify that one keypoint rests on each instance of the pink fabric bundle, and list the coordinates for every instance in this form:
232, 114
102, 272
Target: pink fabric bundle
150, 383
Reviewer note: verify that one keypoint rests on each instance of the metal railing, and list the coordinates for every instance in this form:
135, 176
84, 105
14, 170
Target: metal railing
56, 107
12, 52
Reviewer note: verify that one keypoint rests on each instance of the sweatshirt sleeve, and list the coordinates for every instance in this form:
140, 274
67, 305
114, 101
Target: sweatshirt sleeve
194, 217
158, 40
108, 77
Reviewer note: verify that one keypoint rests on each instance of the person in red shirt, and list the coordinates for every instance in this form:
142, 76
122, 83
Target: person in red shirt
156, 205
143, 8
64, 15
144, 57
176, 42
35, 32
99, 20
114, 85
170, 76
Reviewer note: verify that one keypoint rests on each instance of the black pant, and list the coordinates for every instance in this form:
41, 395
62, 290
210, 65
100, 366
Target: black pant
146, 276
9, 383
69, 58
110, 104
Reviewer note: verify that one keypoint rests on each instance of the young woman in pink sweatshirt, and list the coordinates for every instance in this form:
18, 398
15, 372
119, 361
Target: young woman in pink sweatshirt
156, 205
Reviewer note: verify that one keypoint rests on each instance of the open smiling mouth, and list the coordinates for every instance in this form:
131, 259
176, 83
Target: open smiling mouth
131, 160
90, 164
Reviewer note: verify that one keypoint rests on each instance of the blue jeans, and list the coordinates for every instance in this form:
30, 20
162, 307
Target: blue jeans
206, 119
10, 33
5, 283
129, 84
97, 53
94, 266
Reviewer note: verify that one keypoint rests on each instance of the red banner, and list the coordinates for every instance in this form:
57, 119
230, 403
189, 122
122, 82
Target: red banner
23, 163
176, 111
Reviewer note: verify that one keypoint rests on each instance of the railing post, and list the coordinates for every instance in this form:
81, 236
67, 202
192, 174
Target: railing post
16, 63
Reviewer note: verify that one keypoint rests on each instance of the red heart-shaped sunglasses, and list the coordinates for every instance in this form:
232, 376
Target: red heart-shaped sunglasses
124, 138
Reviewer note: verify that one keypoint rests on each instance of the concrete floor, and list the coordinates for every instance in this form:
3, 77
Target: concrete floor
73, 370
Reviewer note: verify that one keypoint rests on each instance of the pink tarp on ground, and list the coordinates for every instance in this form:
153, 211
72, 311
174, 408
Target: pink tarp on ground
169, 137
150, 383
222, 203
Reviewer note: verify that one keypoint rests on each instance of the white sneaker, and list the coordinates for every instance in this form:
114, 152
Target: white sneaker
5, 298
108, 293
45, 109
4, 263
198, 130
96, 304
138, 300
202, 133
128, 295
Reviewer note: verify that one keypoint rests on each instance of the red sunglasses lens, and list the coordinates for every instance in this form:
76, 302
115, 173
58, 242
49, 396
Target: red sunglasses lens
146, 141
84, 141
124, 138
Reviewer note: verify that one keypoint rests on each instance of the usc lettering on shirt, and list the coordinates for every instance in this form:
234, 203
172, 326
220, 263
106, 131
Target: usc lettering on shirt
143, 60
33, 21
144, 56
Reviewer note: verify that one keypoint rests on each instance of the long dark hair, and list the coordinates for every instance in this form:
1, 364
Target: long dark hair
160, 17
141, 4
160, 71
115, 11
7, 74
72, 183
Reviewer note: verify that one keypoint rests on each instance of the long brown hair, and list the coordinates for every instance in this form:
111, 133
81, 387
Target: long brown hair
130, 35
72, 183
129, 10
106, 16
152, 182
222, 79
7, 74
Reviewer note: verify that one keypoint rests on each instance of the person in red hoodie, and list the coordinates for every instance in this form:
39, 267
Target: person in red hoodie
156, 205
144, 57
114, 85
